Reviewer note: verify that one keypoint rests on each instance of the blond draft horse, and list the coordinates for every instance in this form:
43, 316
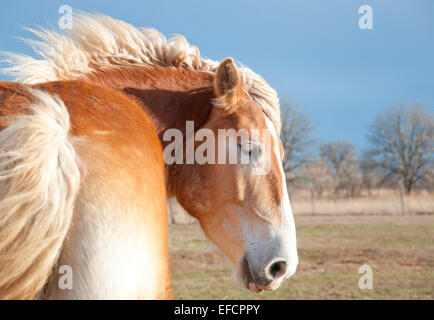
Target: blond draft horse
103, 195
82, 174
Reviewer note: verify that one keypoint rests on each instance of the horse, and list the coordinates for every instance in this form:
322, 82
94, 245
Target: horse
247, 215
83, 178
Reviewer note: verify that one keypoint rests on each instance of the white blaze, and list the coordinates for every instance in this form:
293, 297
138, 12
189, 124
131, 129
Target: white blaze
288, 224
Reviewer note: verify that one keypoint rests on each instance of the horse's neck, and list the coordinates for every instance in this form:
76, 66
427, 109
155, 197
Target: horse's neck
170, 96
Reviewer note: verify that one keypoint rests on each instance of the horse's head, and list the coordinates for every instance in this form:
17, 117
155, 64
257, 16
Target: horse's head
242, 205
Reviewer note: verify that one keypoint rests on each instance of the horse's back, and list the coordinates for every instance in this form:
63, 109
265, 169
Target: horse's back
105, 124
123, 183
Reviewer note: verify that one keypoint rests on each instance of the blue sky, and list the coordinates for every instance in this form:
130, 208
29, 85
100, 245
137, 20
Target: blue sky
312, 52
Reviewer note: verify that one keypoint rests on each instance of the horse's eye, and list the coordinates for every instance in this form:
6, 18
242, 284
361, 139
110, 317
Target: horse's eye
253, 150
249, 149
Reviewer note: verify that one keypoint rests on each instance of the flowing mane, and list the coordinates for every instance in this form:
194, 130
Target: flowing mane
98, 42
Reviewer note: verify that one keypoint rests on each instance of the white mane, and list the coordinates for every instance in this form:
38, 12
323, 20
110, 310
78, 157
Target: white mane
99, 41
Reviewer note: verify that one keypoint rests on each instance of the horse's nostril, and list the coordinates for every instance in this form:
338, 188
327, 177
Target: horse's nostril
277, 269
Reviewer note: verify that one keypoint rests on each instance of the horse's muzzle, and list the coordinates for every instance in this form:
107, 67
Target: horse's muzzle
269, 277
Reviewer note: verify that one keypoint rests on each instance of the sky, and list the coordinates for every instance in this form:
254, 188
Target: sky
312, 52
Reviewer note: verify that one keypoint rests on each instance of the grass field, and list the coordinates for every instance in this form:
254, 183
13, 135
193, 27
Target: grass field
400, 250
377, 202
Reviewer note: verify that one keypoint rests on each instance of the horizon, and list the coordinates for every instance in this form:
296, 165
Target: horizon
315, 56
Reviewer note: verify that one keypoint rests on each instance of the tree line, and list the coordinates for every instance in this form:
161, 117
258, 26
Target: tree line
400, 154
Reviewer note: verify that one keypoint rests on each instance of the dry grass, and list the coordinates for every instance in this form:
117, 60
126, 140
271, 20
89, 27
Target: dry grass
379, 202
400, 250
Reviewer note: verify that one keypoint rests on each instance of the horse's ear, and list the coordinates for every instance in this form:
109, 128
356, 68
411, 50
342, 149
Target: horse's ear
228, 85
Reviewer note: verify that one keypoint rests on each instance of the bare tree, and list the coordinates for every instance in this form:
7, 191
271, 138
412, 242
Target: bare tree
344, 166
370, 179
296, 137
318, 176
402, 145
